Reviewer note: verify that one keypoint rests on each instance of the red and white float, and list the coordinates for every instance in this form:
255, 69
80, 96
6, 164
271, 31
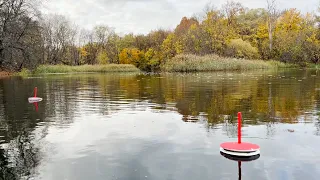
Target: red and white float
240, 149
35, 98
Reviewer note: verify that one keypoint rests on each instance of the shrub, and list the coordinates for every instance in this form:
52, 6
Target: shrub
241, 49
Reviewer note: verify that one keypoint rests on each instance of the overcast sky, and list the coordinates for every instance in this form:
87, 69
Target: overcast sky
141, 16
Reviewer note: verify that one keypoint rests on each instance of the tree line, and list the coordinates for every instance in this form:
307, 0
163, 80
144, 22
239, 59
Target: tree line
29, 38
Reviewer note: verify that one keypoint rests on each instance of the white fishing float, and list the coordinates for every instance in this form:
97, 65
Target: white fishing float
35, 98
240, 149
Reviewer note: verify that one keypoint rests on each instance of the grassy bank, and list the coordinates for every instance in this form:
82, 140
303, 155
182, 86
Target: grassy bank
193, 63
55, 69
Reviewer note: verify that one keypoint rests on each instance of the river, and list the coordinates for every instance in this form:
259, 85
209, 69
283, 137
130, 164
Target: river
160, 126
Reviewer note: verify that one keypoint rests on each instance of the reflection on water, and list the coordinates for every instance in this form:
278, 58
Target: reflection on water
240, 160
160, 126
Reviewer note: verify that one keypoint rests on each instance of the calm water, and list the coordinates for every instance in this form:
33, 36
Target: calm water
161, 127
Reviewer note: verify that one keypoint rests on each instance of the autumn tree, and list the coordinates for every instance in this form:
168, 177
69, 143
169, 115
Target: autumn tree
132, 56
184, 25
249, 21
295, 37
156, 38
218, 32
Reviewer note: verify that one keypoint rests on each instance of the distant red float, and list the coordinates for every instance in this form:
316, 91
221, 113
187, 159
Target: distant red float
240, 149
35, 98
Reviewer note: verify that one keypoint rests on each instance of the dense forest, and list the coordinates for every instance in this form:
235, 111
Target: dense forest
29, 38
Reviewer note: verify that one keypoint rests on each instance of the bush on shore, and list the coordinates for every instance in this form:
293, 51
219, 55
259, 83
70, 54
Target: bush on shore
241, 49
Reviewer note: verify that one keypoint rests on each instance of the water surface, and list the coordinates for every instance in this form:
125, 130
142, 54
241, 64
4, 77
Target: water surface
160, 126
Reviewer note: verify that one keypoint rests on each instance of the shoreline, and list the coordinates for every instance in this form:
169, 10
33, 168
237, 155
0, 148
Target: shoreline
5, 74
184, 63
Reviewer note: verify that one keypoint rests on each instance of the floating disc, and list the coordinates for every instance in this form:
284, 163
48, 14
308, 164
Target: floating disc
240, 158
34, 99
240, 149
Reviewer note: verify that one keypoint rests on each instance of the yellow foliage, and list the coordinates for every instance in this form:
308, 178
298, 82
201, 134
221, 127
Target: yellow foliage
123, 56
178, 46
168, 46
262, 32
130, 56
83, 52
149, 54
291, 20
193, 27
219, 31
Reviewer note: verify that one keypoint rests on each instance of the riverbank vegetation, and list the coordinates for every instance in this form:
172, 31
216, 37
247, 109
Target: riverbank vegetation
52, 69
193, 63
210, 41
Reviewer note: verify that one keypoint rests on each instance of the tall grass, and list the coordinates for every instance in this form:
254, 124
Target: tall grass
191, 63
52, 69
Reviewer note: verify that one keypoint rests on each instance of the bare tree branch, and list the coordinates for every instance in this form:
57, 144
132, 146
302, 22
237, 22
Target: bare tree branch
273, 15
17, 28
